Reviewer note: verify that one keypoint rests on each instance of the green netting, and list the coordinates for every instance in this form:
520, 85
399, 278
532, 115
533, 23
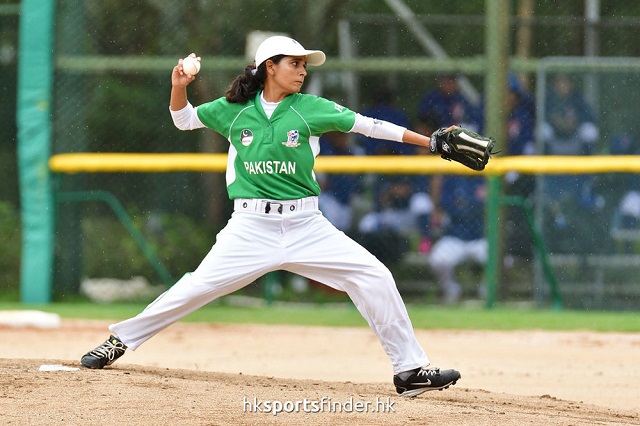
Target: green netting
110, 94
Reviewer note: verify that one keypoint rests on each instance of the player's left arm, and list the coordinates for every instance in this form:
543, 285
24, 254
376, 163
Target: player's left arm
380, 129
453, 143
415, 138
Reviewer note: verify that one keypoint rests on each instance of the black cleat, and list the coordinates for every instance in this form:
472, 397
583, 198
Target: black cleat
105, 354
415, 382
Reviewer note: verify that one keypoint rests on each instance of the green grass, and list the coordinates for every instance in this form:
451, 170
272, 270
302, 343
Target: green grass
423, 317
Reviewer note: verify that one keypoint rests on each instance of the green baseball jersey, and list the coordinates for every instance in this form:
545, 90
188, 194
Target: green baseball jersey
274, 158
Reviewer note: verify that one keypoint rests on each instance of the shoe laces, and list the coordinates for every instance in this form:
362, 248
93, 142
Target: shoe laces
428, 371
109, 350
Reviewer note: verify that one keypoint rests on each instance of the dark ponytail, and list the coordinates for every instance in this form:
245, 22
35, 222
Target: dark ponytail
246, 85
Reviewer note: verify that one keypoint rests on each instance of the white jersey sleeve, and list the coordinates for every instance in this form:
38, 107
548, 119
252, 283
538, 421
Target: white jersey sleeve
378, 129
186, 118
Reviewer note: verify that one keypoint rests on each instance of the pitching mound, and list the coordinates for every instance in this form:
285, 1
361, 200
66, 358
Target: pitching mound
247, 374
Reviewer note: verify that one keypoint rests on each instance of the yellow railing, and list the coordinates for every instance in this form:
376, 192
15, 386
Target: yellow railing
199, 162
177, 162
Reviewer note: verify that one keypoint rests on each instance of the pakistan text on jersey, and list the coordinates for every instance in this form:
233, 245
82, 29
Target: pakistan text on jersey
270, 167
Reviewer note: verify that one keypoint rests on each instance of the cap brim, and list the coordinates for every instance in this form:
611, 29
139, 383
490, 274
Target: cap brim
315, 57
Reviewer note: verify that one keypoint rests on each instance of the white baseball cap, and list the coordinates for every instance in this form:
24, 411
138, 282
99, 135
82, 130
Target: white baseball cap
281, 45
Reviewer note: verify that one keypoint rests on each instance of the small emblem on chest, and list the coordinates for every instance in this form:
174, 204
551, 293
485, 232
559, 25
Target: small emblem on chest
292, 139
246, 137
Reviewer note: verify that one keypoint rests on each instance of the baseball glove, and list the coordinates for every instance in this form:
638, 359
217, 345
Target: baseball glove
462, 145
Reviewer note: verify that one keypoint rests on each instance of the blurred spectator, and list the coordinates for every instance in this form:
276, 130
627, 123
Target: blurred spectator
569, 129
426, 125
448, 105
401, 204
384, 108
521, 119
401, 210
626, 216
337, 189
520, 132
459, 213
521, 141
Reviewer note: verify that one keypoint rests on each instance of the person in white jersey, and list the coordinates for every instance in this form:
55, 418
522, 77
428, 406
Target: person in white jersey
273, 132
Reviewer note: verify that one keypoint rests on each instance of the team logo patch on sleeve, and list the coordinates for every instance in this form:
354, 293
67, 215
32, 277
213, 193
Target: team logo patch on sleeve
246, 137
292, 139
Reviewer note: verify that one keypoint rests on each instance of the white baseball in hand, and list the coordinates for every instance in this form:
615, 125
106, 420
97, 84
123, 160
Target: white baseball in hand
190, 65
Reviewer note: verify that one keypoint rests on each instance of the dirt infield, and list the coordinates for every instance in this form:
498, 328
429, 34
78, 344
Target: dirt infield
201, 374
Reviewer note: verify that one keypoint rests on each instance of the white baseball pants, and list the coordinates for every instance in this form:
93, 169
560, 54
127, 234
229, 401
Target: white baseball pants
304, 242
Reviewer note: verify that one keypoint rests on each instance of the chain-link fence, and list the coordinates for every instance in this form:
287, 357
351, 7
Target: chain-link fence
111, 95
9, 213
590, 222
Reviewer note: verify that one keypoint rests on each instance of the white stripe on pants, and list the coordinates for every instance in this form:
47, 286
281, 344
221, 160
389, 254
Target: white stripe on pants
305, 243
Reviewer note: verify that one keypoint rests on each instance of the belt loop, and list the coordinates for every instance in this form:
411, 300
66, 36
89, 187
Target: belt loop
267, 208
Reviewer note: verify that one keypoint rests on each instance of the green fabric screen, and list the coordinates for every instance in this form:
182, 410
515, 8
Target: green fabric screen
35, 78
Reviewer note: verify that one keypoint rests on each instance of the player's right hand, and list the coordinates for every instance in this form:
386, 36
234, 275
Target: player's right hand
179, 78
